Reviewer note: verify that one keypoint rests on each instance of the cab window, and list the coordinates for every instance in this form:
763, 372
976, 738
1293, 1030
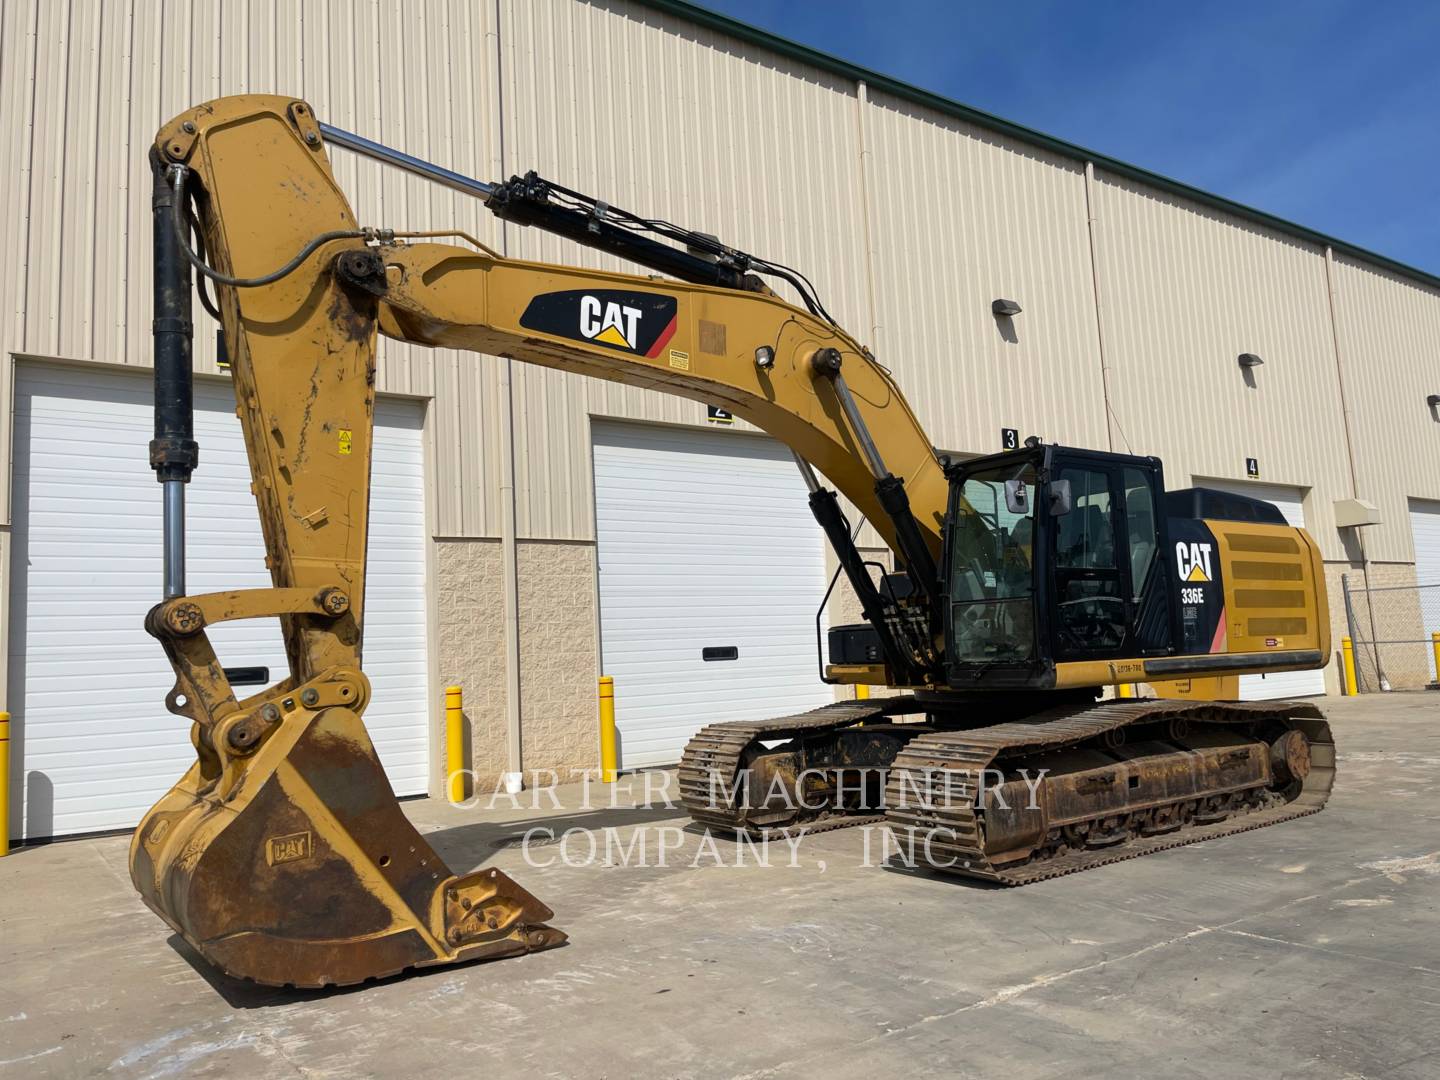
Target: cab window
1085, 538
1140, 528
991, 569
1090, 613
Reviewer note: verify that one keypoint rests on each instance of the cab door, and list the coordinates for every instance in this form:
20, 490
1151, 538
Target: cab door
1109, 596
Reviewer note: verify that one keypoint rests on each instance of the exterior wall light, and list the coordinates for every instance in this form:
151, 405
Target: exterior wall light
1005, 307
1250, 360
1433, 401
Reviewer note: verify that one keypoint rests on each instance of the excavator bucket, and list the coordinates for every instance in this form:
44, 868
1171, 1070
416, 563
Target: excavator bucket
282, 855
295, 866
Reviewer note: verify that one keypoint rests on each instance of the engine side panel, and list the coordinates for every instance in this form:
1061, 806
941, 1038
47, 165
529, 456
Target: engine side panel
1274, 585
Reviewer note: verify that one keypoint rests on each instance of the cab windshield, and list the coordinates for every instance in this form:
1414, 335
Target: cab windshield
992, 613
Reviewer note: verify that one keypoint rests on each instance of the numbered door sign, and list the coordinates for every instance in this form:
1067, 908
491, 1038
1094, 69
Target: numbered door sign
1252, 468
716, 415
1009, 438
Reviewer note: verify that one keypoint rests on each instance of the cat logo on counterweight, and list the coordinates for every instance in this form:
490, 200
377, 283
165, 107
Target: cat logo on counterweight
1193, 561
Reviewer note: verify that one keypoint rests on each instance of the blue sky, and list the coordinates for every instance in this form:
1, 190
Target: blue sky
1325, 112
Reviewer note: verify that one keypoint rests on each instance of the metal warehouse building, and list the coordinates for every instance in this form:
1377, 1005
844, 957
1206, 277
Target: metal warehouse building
532, 528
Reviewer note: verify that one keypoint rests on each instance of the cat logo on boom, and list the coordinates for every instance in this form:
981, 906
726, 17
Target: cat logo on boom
612, 323
632, 322
1193, 560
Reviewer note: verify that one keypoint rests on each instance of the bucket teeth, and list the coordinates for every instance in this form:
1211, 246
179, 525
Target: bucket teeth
487, 907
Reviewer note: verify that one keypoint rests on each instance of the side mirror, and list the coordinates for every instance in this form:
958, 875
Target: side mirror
1061, 500
1017, 499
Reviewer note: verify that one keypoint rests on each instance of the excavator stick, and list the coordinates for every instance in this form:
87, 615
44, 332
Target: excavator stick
282, 855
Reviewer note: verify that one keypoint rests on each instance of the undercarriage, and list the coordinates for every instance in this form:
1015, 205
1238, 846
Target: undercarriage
1047, 793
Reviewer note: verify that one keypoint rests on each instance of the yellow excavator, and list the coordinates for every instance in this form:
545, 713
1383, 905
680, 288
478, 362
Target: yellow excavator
1023, 584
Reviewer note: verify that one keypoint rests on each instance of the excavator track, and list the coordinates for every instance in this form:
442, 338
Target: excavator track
946, 828
717, 752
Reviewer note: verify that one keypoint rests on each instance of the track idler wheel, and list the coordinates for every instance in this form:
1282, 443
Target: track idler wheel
1290, 757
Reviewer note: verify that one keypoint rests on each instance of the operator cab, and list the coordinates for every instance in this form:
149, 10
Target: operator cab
1052, 555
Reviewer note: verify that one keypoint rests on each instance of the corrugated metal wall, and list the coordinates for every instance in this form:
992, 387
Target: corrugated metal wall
84, 86
909, 220
963, 217
674, 122
1389, 331
1184, 291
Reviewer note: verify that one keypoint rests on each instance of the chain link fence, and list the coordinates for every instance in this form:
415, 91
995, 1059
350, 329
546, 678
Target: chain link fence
1391, 628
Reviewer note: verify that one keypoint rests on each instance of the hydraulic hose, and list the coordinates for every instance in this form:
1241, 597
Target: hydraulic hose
177, 182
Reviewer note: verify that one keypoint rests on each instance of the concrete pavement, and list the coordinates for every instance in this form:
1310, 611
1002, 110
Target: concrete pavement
1309, 949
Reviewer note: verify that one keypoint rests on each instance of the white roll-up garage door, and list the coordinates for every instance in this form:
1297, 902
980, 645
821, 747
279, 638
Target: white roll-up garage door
1279, 684
706, 542
92, 744
1425, 528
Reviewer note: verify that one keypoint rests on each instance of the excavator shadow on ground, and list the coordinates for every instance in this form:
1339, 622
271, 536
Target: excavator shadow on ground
474, 843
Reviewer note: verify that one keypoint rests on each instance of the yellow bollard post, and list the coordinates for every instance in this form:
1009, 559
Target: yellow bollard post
1125, 689
4, 783
454, 744
862, 691
1435, 648
1347, 660
609, 757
